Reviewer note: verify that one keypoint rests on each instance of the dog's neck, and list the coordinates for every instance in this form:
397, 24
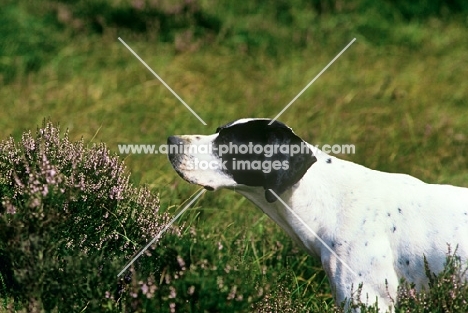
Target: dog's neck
314, 202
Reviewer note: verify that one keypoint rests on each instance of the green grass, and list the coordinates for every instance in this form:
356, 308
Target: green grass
399, 94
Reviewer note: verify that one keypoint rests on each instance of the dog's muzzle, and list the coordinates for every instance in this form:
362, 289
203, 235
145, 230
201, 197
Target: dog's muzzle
177, 157
175, 154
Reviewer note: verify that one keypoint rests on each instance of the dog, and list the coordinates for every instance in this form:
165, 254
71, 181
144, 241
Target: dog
370, 229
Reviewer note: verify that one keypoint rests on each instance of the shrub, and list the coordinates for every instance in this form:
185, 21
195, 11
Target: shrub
447, 292
69, 219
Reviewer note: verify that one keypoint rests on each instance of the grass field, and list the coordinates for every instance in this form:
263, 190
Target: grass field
399, 94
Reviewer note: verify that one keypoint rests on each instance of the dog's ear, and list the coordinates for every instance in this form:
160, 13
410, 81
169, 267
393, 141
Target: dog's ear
287, 163
293, 165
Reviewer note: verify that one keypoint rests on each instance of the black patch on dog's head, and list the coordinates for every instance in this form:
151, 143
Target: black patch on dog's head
257, 169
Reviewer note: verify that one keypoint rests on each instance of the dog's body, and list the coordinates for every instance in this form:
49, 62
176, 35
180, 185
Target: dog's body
367, 227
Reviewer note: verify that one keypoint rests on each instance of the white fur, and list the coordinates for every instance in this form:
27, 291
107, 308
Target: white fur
380, 224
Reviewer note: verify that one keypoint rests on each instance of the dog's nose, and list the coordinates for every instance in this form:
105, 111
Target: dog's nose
174, 144
175, 148
174, 140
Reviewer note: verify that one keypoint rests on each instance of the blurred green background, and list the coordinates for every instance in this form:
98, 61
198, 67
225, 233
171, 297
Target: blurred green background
399, 94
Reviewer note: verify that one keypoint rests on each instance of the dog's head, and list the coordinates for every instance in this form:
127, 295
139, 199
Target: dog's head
244, 152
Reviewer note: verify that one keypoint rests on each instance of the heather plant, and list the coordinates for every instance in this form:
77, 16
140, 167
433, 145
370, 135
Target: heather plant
69, 218
447, 292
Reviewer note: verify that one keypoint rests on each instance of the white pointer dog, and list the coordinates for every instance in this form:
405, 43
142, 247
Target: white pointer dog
367, 227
